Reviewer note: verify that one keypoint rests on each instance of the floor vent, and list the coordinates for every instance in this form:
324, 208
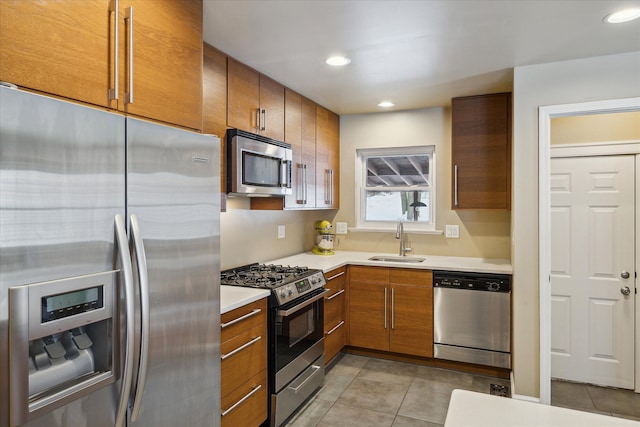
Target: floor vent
499, 390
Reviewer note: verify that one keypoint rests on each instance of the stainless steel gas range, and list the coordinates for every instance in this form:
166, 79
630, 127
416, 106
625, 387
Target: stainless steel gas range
296, 331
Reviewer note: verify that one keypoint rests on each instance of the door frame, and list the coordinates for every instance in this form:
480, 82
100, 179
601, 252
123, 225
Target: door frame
545, 114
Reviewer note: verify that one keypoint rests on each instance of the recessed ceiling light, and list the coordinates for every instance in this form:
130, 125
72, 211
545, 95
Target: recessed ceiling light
386, 104
338, 61
623, 16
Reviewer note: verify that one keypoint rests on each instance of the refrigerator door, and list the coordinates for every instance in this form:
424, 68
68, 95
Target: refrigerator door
62, 181
173, 208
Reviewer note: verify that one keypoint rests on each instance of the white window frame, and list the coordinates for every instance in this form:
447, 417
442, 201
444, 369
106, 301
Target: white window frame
360, 181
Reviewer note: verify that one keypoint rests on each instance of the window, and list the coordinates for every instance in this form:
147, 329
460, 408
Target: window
396, 184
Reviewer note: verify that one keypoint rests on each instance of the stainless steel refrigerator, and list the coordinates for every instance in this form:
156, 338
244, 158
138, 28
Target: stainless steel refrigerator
109, 268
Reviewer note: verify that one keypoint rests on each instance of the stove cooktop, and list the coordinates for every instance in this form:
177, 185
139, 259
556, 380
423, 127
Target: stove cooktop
287, 283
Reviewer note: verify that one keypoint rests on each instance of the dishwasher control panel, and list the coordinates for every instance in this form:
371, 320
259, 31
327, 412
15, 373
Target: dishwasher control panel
488, 282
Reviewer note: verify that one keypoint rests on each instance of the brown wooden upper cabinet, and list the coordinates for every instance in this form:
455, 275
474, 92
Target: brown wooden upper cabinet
327, 159
144, 59
300, 132
255, 102
314, 135
481, 152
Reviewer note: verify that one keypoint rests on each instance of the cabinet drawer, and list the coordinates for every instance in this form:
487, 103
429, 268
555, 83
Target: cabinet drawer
242, 319
242, 357
334, 340
334, 309
368, 274
247, 404
407, 276
335, 280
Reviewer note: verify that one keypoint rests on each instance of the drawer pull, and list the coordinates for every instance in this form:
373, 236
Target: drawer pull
341, 291
241, 318
242, 347
239, 402
335, 275
335, 327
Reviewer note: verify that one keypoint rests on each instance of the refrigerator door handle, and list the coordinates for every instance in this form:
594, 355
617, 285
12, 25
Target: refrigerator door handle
122, 250
137, 248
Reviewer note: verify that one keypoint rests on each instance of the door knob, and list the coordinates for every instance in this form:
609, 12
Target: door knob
625, 290
624, 274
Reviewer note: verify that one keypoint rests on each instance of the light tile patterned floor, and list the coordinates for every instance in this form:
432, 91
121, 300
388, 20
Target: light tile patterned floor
362, 391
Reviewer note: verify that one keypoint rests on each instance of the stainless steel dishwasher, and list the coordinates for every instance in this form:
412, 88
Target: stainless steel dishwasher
472, 318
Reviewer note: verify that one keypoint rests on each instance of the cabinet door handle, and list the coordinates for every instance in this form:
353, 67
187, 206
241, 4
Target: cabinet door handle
334, 276
385, 308
300, 184
239, 402
129, 18
241, 318
258, 120
341, 291
242, 347
455, 185
114, 7
335, 327
304, 184
393, 306
264, 120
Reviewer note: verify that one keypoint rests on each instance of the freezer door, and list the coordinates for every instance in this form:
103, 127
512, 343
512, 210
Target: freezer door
173, 191
62, 181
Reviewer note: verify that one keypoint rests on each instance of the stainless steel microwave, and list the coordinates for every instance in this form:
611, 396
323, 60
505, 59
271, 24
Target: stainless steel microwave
257, 166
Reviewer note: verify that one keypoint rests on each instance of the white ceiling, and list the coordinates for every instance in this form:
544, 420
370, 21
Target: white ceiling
414, 53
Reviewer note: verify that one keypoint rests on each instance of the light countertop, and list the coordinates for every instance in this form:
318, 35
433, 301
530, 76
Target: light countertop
232, 297
329, 262
469, 408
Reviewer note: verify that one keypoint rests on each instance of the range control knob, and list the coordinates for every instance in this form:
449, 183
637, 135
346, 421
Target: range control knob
493, 286
283, 294
290, 291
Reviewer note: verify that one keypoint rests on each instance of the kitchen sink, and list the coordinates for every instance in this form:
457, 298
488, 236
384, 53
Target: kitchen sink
396, 259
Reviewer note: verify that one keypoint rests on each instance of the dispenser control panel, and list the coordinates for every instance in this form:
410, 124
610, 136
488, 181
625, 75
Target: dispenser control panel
59, 306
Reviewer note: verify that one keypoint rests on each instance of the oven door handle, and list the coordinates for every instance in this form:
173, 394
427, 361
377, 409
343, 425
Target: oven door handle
302, 305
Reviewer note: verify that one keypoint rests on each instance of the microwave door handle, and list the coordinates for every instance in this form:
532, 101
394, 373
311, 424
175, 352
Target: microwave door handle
285, 173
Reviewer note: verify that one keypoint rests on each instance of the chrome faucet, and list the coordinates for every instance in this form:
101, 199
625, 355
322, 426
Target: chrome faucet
405, 245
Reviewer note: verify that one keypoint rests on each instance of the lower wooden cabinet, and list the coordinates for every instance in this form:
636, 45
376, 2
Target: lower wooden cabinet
391, 309
335, 328
243, 353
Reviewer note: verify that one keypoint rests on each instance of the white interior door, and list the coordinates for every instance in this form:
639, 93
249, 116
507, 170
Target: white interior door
592, 246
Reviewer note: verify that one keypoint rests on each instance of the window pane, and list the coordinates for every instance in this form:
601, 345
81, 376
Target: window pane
397, 171
396, 205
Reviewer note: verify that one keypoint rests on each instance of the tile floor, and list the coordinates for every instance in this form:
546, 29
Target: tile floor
362, 391
601, 400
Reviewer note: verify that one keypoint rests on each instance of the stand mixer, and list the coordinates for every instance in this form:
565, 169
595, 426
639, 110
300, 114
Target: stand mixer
324, 238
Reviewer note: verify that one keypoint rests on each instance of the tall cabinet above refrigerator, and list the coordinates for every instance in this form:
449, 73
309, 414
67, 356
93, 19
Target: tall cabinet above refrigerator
109, 268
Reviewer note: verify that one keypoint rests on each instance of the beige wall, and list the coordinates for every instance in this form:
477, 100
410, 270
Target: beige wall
248, 236
483, 234
596, 128
585, 80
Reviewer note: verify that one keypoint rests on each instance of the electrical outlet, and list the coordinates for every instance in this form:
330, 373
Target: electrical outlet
341, 228
452, 232
281, 232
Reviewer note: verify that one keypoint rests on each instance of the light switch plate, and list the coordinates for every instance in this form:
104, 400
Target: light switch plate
281, 232
341, 228
452, 232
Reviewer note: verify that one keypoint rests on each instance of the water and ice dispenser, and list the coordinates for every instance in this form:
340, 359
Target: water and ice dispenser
62, 342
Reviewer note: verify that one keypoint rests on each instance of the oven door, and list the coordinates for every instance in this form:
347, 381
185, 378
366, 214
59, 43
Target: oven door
299, 336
